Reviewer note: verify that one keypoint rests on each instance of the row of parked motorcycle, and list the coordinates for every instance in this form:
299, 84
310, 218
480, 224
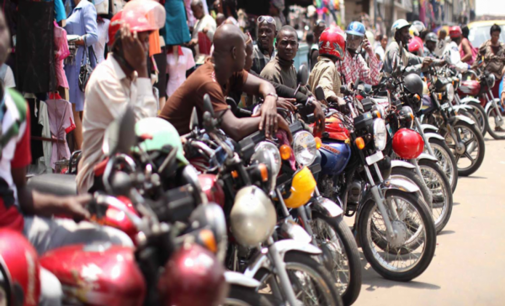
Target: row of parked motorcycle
261, 221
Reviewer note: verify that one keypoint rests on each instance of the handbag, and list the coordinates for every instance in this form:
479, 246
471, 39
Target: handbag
86, 69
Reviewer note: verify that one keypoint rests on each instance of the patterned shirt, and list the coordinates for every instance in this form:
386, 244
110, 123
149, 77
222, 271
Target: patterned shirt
260, 60
352, 68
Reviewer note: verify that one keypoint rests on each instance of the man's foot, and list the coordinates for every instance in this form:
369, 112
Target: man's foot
499, 129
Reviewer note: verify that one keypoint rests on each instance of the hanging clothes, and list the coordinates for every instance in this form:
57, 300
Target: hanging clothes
61, 122
103, 39
177, 69
61, 52
47, 146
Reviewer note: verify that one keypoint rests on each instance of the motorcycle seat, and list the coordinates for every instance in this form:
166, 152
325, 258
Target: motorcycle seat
54, 183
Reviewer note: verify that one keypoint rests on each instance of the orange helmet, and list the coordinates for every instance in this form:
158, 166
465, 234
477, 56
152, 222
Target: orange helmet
140, 15
332, 42
19, 269
455, 32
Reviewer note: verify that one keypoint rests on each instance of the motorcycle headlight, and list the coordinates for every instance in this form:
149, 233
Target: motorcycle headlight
450, 92
304, 146
379, 134
274, 162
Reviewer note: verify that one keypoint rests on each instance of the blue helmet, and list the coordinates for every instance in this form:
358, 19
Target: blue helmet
356, 28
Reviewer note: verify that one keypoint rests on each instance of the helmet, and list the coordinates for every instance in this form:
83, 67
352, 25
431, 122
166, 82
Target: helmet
407, 144
356, 28
413, 84
19, 269
419, 26
302, 187
413, 31
415, 44
140, 15
332, 42
455, 32
431, 37
398, 25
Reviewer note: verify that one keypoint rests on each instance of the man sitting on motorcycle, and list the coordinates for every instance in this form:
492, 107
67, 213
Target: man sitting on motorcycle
31, 212
121, 80
430, 44
222, 73
452, 50
354, 66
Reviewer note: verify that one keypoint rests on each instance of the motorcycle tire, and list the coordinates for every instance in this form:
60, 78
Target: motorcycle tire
480, 115
475, 163
412, 176
348, 242
491, 115
297, 261
244, 296
380, 265
435, 178
442, 151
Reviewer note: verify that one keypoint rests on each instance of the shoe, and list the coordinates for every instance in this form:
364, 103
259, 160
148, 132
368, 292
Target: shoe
499, 129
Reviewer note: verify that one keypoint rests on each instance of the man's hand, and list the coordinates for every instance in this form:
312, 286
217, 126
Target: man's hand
285, 126
426, 62
287, 103
367, 46
269, 118
73, 206
205, 30
80, 41
319, 117
134, 52
192, 42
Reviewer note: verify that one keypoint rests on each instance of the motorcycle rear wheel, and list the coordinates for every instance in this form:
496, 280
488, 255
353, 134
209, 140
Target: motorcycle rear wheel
440, 188
493, 119
446, 160
305, 274
242, 296
480, 116
423, 239
471, 138
347, 271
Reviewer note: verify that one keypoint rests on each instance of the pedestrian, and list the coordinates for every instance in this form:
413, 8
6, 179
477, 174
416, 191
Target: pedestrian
264, 49
103, 38
205, 25
319, 27
452, 50
276, 10
82, 22
443, 41
380, 50
176, 27
467, 51
178, 66
493, 52
354, 66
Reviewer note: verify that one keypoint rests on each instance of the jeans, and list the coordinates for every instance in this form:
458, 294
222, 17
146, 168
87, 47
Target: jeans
46, 234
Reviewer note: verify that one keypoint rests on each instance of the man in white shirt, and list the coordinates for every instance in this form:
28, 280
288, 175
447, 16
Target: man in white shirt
120, 81
7, 76
380, 50
205, 24
103, 38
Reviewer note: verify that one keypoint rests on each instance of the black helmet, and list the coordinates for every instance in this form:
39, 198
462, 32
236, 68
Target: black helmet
413, 84
431, 37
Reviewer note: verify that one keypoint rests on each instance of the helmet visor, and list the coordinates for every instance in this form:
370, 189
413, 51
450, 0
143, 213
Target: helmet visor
354, 41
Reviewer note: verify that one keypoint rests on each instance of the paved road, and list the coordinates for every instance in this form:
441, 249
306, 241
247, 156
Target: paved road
469, 263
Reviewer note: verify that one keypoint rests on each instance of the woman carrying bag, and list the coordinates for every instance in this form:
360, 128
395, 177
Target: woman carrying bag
82, 22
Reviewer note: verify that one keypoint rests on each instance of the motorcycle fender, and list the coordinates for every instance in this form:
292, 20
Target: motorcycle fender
489, 104
261, 261
464, 107
433, 135
327, 207
469, 99
457, 118
427, 157
429, 128
399, 184
236, 278
401, 164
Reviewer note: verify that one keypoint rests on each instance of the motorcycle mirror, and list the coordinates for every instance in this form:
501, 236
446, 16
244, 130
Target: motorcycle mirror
207, 105
303, 74
193, 123
120, 134
319, 92
121, 183
231, 102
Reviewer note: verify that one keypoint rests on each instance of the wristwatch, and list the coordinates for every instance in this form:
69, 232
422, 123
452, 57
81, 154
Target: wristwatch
273, 95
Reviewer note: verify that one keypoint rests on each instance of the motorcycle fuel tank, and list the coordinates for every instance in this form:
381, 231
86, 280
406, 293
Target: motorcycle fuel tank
334, 157
211, 188
469, 88
97, 274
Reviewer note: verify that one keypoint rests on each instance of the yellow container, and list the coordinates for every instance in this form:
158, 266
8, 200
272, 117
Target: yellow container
302, 188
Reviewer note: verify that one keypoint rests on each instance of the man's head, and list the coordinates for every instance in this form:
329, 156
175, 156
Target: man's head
355, 35
319, 28
495, 32
287, 43
400, 31
430, 41
5, 41
229, 47
465, 31
384, 41
197, 8
220, 18
266, 32
276, 7
442, 34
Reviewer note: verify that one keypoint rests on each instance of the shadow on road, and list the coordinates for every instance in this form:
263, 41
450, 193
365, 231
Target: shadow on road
472, 177
446, 232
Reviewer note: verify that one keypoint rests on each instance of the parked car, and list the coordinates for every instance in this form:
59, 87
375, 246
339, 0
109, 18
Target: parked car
479, 31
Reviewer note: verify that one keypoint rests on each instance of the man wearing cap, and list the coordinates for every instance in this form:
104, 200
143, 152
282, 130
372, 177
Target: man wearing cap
452, 50
354, 67
121, 80
264, 50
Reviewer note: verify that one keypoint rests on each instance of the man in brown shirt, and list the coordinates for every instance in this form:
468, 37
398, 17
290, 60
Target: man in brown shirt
222, 73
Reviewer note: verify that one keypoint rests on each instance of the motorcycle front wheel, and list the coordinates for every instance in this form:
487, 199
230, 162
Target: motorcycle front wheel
311, 282
341, 255
411, 175
496, 124
446, 160
410, 253
440, 188
474, 147
243, 296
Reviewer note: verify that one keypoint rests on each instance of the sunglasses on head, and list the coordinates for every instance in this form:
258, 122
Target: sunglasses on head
266, 19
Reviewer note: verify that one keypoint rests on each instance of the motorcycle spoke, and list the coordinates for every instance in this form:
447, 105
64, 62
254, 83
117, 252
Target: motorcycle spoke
469, 156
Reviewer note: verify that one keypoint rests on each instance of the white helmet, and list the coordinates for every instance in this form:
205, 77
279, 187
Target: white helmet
399, 24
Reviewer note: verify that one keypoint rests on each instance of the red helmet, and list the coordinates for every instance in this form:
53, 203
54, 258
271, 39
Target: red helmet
407, 144
140, 15
19, 268
332, 42
415, 44
193, 277
455, 32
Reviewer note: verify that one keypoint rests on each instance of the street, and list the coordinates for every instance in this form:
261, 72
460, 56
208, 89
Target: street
468, 267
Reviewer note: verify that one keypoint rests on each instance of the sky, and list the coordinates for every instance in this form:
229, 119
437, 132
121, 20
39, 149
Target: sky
490, 7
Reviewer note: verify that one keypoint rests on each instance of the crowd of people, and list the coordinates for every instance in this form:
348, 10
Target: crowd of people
161, 59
